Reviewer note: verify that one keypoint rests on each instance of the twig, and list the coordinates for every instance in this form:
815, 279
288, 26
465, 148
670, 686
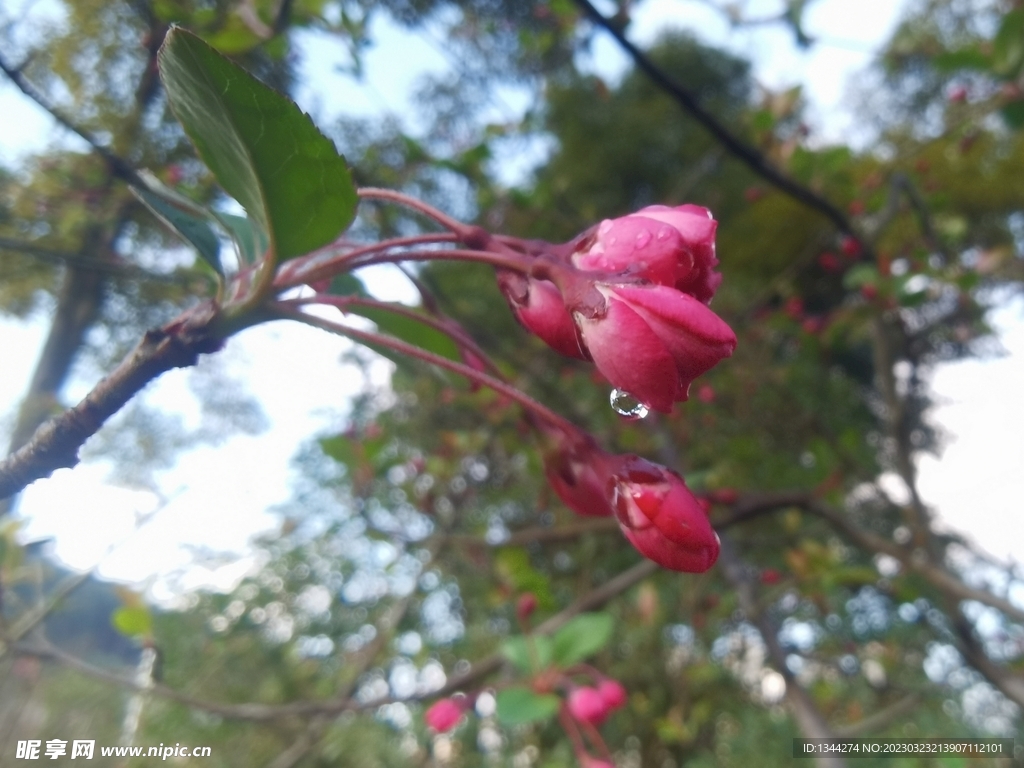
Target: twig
808, 717
257, 712
81, 262
880, 719
118, 166
736, 146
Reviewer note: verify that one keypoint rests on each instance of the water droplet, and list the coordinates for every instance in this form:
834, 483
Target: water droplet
628, 406
664, 233
643, 239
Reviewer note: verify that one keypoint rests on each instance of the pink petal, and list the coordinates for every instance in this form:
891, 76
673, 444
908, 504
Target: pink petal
693, 222
631, 356
696, 337
544, 314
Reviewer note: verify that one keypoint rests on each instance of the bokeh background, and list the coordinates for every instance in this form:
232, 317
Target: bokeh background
299, 520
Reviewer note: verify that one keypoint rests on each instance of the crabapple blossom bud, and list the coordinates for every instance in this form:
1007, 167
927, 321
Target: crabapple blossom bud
539, 306
587, 705
674, 247
612, 693
526, 605
653, 341
443, 715
661, 517
579, 475
586, 761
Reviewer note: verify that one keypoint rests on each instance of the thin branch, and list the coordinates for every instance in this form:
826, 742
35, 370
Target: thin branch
313, 734
417, 353
118, 166
79, 261
257, 712
805, 712
881, 719
1007, 683
914, 560
743, 151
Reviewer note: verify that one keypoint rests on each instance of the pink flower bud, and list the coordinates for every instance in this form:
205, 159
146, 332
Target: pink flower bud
579, 475
587, 705
674, 247
586, 761
526, 605
539, 306
612, 693
661, 517
443, 715
653, 341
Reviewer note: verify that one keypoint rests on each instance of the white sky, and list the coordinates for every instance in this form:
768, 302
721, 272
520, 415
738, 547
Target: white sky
220, 496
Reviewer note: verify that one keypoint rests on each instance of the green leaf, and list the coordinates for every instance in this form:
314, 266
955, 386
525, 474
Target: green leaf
861, 275
262, 148
409, 330
347, 284
250, 241
518, 706
190, 227
964, 58
583, 636
132, 621
517, 650
1013, 114
1008, 45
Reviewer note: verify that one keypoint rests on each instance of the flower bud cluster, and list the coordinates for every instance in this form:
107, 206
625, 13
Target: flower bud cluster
593, 704
631, 294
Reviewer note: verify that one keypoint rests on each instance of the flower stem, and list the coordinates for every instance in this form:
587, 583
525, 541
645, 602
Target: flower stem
376, 193
509, 260
454, 331
310, 269
369, 337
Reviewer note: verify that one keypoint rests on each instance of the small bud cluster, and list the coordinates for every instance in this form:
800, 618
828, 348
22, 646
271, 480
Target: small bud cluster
631, 294
593, 704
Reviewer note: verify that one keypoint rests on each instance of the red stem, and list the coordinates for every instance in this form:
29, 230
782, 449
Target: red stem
368, 337
375, 193
573, 732
303, 270
456, 334
509, 260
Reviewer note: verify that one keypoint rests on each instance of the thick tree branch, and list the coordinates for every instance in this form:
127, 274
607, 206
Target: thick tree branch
753, 159
56, 443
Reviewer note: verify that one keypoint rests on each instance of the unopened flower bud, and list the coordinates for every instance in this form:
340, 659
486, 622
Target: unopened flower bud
612, 693
525, 606
443, 715
674, 247
539, 306
653, 341
587, 705
661, 517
